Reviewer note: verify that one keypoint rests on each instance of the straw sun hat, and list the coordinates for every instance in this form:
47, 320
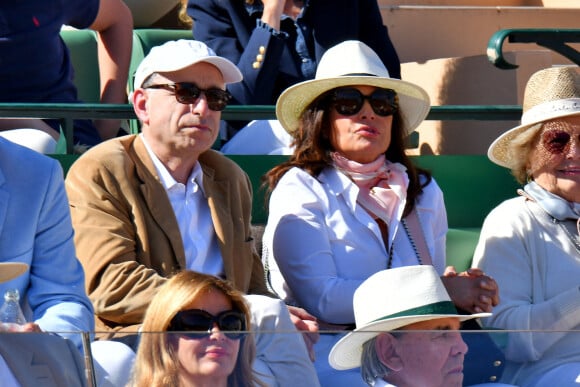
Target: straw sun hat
550, 93
391, 299
11, 270
351, 63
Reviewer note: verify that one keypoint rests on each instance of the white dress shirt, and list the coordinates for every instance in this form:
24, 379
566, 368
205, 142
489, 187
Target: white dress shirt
202, 253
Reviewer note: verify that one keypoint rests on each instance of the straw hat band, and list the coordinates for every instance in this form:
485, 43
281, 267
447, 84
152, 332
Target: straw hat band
437, 308
550, 109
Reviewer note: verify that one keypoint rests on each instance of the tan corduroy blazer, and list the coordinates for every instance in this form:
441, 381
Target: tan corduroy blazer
127, 236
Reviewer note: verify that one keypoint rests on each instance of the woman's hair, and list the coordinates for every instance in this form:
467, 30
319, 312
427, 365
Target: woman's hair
313, 147
156, 363
520, 150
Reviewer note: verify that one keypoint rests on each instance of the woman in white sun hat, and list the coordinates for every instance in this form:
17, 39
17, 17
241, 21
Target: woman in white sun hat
349, 202
531, 244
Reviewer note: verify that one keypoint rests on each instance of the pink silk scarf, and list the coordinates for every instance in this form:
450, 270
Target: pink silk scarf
382, 184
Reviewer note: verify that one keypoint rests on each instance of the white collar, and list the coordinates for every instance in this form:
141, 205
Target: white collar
379, 382
196, 176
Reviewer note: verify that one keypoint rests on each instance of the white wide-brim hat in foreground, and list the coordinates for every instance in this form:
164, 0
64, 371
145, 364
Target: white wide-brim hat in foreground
550, 94
351, 63
176, 55
11, 270
392, 299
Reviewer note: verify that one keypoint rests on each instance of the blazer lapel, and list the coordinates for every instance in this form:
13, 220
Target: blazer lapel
157, 201
219, 201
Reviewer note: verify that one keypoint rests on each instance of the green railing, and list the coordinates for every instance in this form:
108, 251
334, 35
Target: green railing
554, 39
68, 112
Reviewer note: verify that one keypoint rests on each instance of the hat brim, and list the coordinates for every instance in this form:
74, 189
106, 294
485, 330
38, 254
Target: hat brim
414, 102
11, 270
229, 70
498, 151
346, 353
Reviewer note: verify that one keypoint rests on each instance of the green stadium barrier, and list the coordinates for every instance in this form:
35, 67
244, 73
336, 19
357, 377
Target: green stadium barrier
82, 45
471, 184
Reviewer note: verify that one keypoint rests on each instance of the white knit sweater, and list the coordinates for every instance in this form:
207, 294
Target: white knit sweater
537, 269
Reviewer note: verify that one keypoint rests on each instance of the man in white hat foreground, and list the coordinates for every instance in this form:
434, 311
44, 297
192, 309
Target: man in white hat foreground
147, 206
409, 339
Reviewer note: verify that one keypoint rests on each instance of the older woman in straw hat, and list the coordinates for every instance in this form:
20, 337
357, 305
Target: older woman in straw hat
349, 202
531, 244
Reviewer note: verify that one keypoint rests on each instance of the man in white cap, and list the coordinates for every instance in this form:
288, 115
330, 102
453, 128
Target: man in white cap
386, 344
147, 206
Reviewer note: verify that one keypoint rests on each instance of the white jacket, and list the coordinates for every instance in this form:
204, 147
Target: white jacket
537, 270
320, 245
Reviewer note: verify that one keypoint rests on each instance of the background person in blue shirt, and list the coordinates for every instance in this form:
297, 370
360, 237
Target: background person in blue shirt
36, 65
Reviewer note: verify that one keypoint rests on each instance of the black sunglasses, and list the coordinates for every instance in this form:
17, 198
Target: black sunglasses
188, 93
231, 322
349, 101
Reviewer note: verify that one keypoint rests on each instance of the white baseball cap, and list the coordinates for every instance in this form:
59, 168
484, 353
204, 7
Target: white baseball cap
175, 55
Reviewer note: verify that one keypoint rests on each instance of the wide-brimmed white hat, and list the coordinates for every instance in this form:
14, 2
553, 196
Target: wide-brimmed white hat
351, 63
175, 55
391, 299
11, 270
550, 93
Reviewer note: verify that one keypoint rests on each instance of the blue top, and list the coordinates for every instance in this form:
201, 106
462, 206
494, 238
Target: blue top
35, 64
36, 229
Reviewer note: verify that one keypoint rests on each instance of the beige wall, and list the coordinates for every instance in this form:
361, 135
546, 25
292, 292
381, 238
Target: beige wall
485, 3
442, 46
453, 3
470, 81
423, 33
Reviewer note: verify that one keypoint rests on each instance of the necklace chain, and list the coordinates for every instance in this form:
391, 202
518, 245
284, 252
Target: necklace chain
572, 238
413, 245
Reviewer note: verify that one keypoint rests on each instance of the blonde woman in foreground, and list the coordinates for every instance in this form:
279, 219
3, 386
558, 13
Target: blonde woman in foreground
210, 346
